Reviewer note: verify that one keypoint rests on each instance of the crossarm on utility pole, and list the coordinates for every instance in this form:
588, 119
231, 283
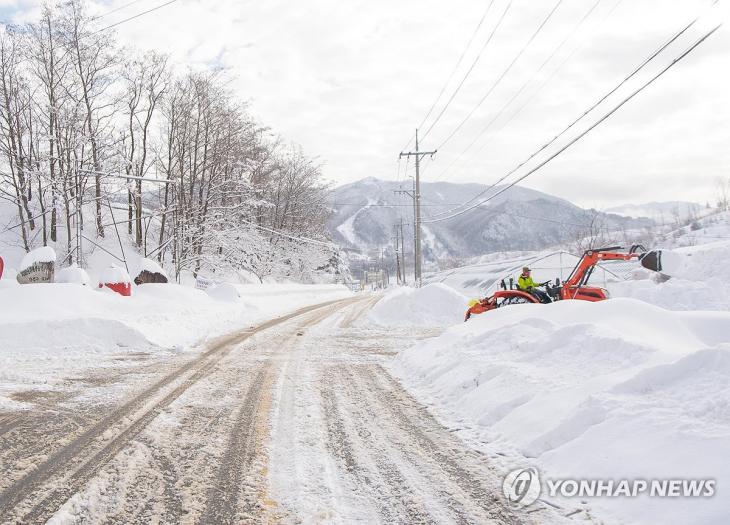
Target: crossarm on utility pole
417, 205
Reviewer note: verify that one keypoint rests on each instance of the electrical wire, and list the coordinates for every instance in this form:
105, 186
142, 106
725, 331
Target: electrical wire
529, 99
504, 73
633, 73
468, 72
286, 235
453, 71
97, 17
135, 16
546, 82
555, 51
584, 133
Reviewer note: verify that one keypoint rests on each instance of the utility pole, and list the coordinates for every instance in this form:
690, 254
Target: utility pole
403, 250
397, 256
412, 195
417, 207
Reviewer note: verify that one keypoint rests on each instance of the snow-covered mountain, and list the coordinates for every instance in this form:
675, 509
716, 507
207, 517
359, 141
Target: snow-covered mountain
661, 212
366, 211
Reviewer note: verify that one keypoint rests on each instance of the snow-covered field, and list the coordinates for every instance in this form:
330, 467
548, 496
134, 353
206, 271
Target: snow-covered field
48, 331
637, 387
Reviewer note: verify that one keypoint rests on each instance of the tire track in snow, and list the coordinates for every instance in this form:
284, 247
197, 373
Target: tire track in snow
464, 474
237, 493
38, 494
364, 459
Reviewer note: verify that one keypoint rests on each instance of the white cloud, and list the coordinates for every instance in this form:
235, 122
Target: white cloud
350, 80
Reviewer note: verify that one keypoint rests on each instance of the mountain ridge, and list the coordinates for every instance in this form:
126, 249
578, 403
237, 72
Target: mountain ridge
365, 212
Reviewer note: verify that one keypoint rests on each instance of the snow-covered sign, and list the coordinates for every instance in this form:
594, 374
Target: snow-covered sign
37, 266
73, 274
203, 283
148, 271
116, 279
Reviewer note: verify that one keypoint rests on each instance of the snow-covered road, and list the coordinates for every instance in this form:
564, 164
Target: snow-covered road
295, 420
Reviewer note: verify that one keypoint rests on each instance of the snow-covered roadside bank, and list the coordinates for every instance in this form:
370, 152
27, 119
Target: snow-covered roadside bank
614, 390
699, 283
50, 330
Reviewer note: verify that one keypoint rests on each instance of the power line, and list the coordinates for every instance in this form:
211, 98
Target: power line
136, 16
584, 133
646, 61
536, 92
97, 17
504, 73
387, 205
286, 235
555, 51
468, 72
453, 71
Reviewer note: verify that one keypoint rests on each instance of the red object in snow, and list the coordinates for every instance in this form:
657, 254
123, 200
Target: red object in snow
124, 289
116, 279
2, 265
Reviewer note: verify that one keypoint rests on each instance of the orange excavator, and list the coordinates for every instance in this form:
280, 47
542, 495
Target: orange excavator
576, 286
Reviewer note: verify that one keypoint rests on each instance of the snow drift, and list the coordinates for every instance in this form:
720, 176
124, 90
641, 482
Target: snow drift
49, 332
699, 281
434, 304
611, 390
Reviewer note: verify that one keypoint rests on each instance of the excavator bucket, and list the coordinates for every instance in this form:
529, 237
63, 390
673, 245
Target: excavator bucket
666, 262
652, 260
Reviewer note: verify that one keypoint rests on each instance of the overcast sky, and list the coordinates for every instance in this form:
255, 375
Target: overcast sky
350, 80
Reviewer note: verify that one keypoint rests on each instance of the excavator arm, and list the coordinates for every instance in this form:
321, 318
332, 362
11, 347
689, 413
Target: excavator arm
583, 270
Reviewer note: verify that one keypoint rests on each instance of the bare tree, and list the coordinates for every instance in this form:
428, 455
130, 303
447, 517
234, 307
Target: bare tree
594, 234
93, 59
15, 102
145, 80
723, 193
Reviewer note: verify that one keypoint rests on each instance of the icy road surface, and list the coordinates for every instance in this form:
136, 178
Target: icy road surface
292, 421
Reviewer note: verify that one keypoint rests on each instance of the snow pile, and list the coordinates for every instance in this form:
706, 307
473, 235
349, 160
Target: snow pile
224, 292
45, 254
434, 304
609, 390
699, 280
114, 275
49, 333
147, 265
73, 275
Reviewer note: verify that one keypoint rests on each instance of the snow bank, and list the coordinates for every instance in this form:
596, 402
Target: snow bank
150, 266
113, 275
224, 292
610, 390
45, 254
699, 281
50, 332
73, 274
434, 304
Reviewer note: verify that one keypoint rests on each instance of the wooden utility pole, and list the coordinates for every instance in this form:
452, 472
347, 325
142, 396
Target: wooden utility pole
403, 250
397, 256
412, 195
417, 207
